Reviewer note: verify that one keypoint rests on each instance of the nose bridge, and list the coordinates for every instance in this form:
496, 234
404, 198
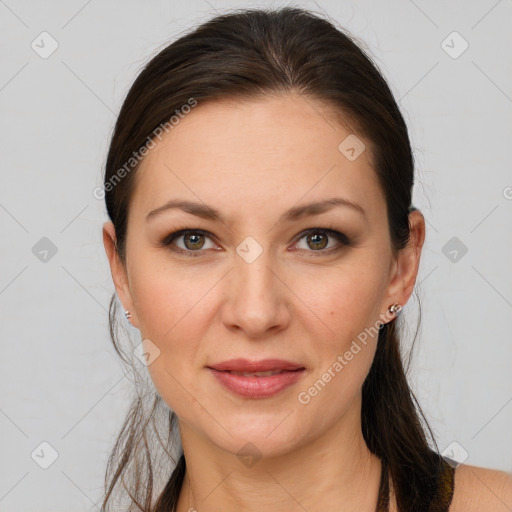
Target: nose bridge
256, 297
256, 276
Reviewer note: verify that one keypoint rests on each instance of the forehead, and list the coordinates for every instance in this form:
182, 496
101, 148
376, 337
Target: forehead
257, 154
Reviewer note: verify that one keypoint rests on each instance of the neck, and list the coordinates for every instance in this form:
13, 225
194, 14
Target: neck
336, 468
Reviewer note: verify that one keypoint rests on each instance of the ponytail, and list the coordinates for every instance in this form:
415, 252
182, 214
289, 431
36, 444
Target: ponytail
390, 419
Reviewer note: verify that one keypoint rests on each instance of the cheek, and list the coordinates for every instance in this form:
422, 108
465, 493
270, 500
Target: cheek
169, 299
174, 320
343, 302
348, 304
173, 309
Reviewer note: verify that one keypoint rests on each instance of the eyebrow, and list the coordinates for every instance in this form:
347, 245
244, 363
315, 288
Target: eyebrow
295, 213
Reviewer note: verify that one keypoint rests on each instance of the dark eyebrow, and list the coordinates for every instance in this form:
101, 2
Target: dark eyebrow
297, 212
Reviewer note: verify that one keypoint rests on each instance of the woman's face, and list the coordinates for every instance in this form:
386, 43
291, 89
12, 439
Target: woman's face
257, 284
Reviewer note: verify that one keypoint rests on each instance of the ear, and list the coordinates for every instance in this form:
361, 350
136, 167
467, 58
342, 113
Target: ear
405, 267
118, 271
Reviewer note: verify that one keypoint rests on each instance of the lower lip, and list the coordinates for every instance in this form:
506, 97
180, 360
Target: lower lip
257, 387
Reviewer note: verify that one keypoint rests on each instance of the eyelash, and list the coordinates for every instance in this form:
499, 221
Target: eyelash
340, 237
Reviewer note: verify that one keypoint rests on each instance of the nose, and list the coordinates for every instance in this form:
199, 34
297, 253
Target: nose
257, 301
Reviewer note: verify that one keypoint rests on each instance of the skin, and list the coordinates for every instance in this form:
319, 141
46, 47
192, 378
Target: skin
253, 161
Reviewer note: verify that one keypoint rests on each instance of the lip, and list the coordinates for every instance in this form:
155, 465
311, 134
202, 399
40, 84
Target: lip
257, 387
253, 386
263, 365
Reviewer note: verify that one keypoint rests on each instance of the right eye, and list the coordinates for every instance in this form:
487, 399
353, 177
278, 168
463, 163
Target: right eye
193, 241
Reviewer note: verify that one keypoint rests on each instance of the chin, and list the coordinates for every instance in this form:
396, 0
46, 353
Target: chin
257, 436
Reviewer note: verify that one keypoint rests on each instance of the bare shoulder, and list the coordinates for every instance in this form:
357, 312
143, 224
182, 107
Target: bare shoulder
480, 490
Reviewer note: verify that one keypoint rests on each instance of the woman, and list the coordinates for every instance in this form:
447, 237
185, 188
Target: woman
263, 241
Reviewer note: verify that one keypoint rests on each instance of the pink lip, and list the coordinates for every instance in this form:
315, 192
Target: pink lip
245, 365
253, 386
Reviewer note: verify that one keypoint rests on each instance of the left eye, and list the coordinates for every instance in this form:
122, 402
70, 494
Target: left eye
317, 239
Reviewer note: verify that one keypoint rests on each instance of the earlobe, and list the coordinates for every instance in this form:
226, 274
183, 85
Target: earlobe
117, 268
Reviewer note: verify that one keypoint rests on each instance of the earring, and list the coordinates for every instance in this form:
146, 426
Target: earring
127, 314
395, 308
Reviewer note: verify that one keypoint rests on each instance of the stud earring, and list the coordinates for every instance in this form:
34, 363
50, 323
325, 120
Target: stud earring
127, 314
395, 308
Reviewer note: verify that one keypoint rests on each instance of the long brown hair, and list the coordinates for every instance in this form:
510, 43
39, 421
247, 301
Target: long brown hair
244, 54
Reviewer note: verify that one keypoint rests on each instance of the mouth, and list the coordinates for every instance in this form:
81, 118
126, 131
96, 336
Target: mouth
260, 374
257, 385
241, 365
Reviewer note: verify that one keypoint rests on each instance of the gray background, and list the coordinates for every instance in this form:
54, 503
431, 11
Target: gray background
61, 381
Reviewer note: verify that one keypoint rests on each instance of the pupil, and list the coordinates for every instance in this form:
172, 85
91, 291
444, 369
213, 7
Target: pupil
195, 241
316, 238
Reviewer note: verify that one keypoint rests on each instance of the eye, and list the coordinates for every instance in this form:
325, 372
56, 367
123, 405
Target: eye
317, 239
193, 240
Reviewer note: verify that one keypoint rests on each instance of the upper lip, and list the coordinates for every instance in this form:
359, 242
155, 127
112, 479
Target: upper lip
264, 365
